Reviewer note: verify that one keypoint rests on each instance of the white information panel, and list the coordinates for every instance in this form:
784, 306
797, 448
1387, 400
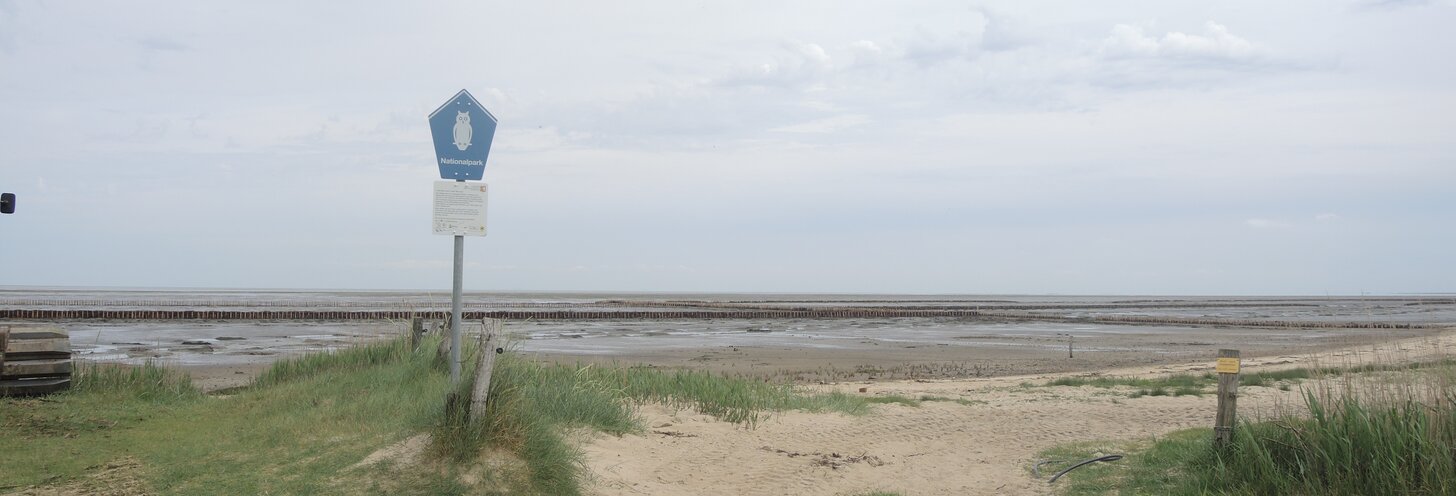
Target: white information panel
459, 208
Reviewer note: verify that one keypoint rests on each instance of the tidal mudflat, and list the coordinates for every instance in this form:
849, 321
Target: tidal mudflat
1008, 335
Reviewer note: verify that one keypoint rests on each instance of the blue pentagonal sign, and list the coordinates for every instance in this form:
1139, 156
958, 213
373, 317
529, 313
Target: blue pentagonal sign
462, 129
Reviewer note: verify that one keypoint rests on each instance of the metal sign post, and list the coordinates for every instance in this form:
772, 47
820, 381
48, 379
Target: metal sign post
459, 211
455, 289
462, 130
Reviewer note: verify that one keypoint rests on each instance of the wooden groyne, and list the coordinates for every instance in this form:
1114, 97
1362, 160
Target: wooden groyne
830, 313
974, 307
767, 313
1214, 322
244, 303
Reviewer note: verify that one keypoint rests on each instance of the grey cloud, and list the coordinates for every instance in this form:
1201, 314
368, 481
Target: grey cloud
1132, 57
1215, 43
987, 31
802, 64
8, 24
928, 48
796, 65
1392, 4
158, 44
1003, 32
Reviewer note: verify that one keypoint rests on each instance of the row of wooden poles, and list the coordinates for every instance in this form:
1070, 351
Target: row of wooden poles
815, 313
1204, 321
734, 305
474, 314
751, 305
445, 302
962, 306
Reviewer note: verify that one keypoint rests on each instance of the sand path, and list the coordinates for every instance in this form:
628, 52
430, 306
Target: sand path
983, 446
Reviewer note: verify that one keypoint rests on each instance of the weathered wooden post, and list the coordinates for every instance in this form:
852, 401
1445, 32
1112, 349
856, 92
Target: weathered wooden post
416, 331
484, 364
1228, 394
4, 338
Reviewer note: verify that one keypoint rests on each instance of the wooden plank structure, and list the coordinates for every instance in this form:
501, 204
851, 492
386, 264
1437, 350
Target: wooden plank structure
34, 361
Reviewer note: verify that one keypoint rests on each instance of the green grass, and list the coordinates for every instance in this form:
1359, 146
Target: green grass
1347, 446
1148, 467
56, 433
732, 399
1172, 381
147, 382
1173, 385
532, 403
1198, 384
1164, 391
893, 399
1275, 377
1377, 436
961, 401
307, 421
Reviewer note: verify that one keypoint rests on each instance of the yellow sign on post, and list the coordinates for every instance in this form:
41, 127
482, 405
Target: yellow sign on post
1227, 366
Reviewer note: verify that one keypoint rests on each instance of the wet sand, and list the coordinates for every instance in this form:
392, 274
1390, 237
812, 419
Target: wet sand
952, 353
1033, 339
985, 355
228, 354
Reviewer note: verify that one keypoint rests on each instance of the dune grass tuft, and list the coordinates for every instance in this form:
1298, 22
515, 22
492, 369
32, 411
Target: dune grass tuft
533, 404
147, 382
347, 359
1392, 431
306, 423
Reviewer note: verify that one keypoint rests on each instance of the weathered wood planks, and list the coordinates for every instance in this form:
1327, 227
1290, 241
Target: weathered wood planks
34, 361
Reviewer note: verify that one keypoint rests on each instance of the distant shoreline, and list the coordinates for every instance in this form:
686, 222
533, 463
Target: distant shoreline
850, 295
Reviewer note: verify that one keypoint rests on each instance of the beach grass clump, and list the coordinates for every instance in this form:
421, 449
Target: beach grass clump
1166, 391
1347, 447
907, 371
343, 360
1382, 434
1172, 385
1148, 467
533, 405
1274, 377
1198, 384
731, 399
294, 432
1374, 434
959, 401
530, 408
893, 399
306, 423
1171, 381
148, 382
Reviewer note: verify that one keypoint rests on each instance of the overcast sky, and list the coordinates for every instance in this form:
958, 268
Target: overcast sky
1157, 147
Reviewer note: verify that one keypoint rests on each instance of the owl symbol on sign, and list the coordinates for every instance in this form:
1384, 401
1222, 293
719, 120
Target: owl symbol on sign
462, 130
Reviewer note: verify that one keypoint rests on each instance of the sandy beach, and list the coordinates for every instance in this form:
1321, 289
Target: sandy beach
985, 444
982, 438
